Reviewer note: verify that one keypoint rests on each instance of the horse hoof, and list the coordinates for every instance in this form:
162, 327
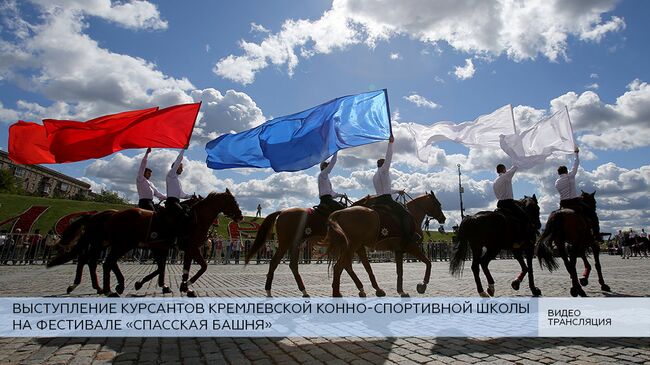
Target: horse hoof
584, 281
484, 295
405, 295
605, 287
166, 290
337, 295
138, 285
100, 291
380, 293
490, 291
268, 294
70, 289
421, 288
362, 294
183, 288
119, 288
581, 292
537, 292
113, 295
305, 295
574, 292
191, 293
515, 284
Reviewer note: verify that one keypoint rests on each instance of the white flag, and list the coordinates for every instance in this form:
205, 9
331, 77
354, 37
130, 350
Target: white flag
532, 146
482, 132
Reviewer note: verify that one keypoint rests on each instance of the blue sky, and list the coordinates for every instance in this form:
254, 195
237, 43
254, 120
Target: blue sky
251, 61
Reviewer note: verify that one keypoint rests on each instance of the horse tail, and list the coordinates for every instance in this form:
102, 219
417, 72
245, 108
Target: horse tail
71, 238
460, 249
335, 239
544, 247
262, 234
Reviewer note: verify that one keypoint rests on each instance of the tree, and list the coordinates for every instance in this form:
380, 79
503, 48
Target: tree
111, 197
9, 183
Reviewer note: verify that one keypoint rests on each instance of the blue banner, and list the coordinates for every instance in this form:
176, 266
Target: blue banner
299, 141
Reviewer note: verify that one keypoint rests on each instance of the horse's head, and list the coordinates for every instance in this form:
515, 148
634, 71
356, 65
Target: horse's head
531, 207
73, 232
433, 207
589, 199
231, 207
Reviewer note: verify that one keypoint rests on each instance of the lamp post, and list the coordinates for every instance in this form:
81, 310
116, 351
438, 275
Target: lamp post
460, 194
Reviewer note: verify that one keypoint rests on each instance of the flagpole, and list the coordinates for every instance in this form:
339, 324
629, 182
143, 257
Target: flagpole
390, 123
571, 126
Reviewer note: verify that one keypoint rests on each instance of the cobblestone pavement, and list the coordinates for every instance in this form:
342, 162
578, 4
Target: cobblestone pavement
625, 277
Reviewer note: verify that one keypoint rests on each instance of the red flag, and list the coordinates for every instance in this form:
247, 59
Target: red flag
167, 128
28, 144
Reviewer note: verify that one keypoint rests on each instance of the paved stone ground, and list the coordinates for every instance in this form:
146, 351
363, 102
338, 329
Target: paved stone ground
626, 278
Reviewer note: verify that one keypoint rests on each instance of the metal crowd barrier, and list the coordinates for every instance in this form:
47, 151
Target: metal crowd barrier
26, 249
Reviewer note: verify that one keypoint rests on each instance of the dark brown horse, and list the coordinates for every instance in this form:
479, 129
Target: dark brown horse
572, 235
86, 238
351, 230
487, 233
130, 228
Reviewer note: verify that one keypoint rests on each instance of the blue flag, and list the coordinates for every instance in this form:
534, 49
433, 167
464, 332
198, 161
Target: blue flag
299, 141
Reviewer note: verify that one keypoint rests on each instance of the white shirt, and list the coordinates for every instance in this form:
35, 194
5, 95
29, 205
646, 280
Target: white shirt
503, 184
324, 184
174, 189
566, 183
381, 180
146, 189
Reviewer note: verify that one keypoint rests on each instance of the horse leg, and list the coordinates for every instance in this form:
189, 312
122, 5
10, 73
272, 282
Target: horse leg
293, 265
584, 280
476, 270
110, 264
198, 257
599, 270
416, 251
357, 282
399, 263
275, 261
140, 283
520, 277
571, 269
336, 279
78, 273
161, 259
531, 279
187, 264
485, 261
366, 265
92, 267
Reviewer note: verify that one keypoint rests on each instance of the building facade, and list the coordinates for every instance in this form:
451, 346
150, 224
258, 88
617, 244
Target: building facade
41, 181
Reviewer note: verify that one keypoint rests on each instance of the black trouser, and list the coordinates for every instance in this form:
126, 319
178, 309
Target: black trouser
330, 203
173, 205
146, 204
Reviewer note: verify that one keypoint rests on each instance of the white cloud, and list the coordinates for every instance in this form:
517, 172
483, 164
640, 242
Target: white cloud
421, 101
67, 66
593, 76
258, 28
439, 79
223, 113
593, 86
465, 72
395, 56
521, 30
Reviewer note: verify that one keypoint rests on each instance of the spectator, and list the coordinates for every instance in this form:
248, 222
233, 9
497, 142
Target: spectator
218, 249
259, 211
50, 241
236, 250
227, 251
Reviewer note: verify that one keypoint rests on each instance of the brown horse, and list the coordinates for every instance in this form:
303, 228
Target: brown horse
351, 230
293, 226
486, 234
573, 236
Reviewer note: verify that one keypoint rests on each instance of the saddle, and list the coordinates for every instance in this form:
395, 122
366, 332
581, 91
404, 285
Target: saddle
390, 220
515, 222
316, 224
